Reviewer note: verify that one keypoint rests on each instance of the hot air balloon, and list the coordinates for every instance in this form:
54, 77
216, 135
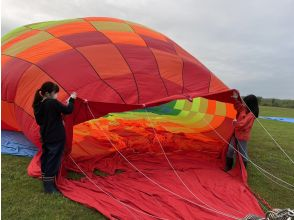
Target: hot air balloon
145, 107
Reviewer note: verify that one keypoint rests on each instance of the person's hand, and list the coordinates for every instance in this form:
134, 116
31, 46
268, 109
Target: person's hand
73, 95
235, 95
234, 122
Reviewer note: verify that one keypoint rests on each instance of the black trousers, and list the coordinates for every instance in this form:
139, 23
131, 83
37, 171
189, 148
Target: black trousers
51, 158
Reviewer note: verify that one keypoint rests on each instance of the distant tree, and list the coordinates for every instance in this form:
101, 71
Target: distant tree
259, 99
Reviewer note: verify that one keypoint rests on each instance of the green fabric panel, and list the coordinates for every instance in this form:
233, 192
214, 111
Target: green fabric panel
205, 121
27, 43
196, 105
221, 109
189, 117
111, 26
49, 24
140, 25
184, 113
192, 118
187, 105
199, 116
13, 34
180, 104
165, 109
136, 24
203, 105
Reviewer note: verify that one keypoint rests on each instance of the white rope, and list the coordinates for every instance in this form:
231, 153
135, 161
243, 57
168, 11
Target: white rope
176, 173
124, 204
264, 171
154, 182
280, 147
258, 167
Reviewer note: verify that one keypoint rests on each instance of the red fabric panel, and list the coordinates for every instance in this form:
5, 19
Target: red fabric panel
181, 52
159, 44
85, 39
11, 74
28, 126
81, 111
170, 67
195, 77
70, 69
5, 126
145, 69
106, 93
8, 120
199, 171
113, 69
130, 95
216, 85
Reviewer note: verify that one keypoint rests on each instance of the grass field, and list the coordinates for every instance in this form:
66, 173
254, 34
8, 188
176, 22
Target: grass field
22, 196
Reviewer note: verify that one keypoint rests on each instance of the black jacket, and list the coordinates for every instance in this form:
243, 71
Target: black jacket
49, 118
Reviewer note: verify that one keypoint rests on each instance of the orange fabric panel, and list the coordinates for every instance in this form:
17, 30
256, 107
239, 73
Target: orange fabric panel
215, 123
170, 66
44, 50
19, 38
5, 59
216, 85
70, 28
147, 32
211, 107
231, 111
138, 134
8, 115
125, 38
27, 87
102, 19
106, 59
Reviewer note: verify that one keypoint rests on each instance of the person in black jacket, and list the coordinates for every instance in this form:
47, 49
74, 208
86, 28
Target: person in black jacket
48, 114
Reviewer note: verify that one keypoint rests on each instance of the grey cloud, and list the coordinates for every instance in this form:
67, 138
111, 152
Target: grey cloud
248, 44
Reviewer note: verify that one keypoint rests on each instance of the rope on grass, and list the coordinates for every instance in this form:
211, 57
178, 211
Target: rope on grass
260, 169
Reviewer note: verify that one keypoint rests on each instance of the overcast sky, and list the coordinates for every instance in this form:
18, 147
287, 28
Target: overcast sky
248, 44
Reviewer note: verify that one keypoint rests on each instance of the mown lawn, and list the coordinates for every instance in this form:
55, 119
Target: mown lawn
266, 154
22, 196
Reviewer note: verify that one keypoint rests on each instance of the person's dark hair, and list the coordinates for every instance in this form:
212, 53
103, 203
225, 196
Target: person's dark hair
252, 103
46, 87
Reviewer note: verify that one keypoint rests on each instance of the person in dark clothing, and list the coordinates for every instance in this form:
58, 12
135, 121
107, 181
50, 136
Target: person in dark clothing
48, 114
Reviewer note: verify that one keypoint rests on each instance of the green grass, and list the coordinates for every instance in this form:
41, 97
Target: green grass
276, 112
266, 154
22, 196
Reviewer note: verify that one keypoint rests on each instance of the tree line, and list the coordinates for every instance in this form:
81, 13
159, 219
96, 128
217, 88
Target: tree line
285, 103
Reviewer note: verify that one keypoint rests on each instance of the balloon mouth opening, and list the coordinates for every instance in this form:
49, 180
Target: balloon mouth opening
180, 125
